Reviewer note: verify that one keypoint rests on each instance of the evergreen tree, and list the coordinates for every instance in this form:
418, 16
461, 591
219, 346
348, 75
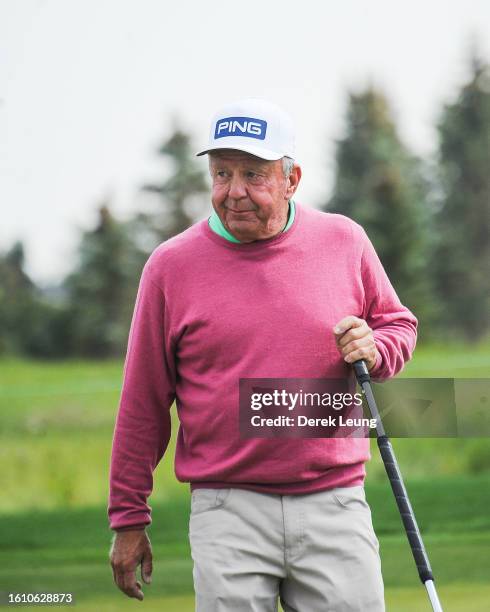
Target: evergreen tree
102, 289
181, 192
463, 222
27, 319
380, 185
17, 300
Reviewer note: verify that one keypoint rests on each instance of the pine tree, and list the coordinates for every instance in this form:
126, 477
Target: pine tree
27, 318
381, 186
102, 289
17, 300
463, 222
179, 192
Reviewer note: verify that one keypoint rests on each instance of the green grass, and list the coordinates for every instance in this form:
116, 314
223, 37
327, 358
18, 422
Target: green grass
56, 434
450, 361
443, 506
65, 395
55, 441
455, 598
69, 548
58, 418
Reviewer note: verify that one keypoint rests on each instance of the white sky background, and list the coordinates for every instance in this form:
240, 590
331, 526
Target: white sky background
88, 90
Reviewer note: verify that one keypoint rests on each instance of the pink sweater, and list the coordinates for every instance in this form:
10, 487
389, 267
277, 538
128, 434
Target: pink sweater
210, 312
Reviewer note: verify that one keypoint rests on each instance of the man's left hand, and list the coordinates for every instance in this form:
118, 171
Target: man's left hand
355, 340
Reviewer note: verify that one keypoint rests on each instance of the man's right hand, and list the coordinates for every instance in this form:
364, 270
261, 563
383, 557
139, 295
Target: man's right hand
130, 549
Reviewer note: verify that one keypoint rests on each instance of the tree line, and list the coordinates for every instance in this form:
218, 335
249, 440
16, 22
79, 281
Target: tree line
429, 220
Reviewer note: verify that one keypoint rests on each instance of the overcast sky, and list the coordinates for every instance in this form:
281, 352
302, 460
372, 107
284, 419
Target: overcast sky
88, 89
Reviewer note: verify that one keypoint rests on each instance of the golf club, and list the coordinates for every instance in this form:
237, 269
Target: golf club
399, 490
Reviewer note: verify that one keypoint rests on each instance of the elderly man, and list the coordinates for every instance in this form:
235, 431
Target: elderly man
264, 288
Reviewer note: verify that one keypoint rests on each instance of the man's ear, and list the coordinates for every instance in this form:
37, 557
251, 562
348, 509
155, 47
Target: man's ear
293, 182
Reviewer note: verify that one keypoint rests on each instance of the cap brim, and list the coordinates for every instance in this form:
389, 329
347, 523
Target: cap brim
257, 151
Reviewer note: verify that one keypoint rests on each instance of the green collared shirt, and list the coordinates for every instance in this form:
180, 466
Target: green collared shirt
217, 226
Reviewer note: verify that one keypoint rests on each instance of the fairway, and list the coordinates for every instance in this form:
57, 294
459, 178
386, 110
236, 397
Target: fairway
56, 434
455, 598
42, 550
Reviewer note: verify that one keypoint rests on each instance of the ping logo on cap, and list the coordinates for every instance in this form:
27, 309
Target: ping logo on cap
240, 126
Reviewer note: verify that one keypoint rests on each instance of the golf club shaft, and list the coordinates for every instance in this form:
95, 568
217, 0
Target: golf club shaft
432, 593
399, 490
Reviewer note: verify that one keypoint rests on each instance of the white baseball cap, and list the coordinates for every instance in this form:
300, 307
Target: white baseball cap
255, 126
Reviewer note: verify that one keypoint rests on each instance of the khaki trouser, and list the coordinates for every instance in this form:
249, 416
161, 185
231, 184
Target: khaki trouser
316, 552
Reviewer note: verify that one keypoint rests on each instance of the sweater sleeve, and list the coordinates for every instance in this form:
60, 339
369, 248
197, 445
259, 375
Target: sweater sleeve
142, 429
393, 325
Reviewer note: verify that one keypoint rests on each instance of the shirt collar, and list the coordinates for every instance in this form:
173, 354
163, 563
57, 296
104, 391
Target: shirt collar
217, 226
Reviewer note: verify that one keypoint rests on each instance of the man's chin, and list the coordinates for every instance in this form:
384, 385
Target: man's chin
245, 229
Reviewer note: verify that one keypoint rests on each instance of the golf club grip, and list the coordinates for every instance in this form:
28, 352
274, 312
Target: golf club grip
405, 508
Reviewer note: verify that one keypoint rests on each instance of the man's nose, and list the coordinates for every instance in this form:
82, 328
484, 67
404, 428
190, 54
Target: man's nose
237, 188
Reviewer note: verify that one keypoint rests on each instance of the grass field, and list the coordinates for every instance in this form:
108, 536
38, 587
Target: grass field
55, 439
68, 548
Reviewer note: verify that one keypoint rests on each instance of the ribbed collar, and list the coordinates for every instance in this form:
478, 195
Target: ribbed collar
217, 226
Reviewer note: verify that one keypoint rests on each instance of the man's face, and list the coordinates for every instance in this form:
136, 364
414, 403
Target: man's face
250, 195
